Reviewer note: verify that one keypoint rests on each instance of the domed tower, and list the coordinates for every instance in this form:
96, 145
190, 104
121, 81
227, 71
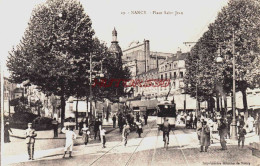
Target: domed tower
115, 49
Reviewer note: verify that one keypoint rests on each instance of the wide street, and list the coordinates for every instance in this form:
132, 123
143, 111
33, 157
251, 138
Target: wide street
148, 150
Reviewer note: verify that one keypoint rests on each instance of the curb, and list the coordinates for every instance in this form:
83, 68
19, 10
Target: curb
78, 137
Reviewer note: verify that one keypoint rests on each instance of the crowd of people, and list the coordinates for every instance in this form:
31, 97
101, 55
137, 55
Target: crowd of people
207, 124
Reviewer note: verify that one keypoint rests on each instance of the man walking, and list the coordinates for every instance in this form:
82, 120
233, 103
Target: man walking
55, 127
125, 132
241, 136
166, 129
204, 137
30, 140
222, 133
96, 129
145, 119
114, 121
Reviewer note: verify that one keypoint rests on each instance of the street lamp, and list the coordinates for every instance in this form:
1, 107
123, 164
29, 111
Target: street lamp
91, 67
219, 59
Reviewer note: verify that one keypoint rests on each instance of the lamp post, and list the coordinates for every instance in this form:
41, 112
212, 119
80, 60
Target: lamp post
197, 103
219, 59
91, 67
233, 124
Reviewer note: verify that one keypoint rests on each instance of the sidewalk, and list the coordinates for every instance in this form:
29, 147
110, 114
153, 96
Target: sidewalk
56, 151
250, 137
48, 134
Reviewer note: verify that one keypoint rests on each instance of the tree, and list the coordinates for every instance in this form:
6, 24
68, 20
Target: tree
241, 20
55, 45
240, 17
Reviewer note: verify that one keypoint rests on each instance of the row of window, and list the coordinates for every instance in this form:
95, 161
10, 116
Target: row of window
169, 66
165, 76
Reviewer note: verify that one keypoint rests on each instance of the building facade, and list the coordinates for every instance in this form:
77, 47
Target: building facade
139, 58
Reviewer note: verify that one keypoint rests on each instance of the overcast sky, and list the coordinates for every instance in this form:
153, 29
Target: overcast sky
165, 32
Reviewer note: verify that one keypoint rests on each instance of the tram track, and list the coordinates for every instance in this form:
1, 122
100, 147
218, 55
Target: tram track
180, 146
129, 160
182, 152
121, 142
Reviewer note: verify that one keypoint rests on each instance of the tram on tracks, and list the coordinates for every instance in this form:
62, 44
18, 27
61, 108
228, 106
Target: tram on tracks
166, 110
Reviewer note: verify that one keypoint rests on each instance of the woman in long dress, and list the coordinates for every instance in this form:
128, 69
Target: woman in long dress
70, 137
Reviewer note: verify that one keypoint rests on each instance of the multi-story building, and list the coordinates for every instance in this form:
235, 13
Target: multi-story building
139, 59
150, 92
173, 69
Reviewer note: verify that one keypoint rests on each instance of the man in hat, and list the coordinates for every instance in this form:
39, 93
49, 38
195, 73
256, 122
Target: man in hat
30, 140
222, 133
55, 125
204, 136
6, 132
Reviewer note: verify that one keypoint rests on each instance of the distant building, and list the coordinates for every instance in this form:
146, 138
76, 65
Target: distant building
115, 49
139, 59
147, 92
174, 69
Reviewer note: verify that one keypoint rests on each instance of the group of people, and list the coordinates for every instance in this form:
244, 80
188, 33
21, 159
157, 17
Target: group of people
126, 124
205, 130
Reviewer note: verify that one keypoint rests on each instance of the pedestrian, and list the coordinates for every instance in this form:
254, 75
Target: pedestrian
240, 122
211, 124
125, 132
96, 129
139, 128
204, 137
241, 136
70, 137
145, 119
114, 121
199, 126
191, 120
123, 122
257, 124
103, 137
81, 126
85, 133
137, 117
229, 120
222, 133
30, 140
250, 123
55, 124
188, 121
7, 129
194, 122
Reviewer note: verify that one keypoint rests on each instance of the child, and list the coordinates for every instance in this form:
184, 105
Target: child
85, 133
70, 136
103, 137
30, 140
241, 136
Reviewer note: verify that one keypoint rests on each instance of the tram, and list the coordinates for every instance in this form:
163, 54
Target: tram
166, 110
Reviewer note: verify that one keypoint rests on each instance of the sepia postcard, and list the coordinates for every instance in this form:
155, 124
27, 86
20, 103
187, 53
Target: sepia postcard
130, 82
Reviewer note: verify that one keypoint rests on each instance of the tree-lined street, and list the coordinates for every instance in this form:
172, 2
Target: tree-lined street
64, 65
148, 150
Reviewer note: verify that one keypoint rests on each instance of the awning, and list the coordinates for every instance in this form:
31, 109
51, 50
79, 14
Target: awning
149, 104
